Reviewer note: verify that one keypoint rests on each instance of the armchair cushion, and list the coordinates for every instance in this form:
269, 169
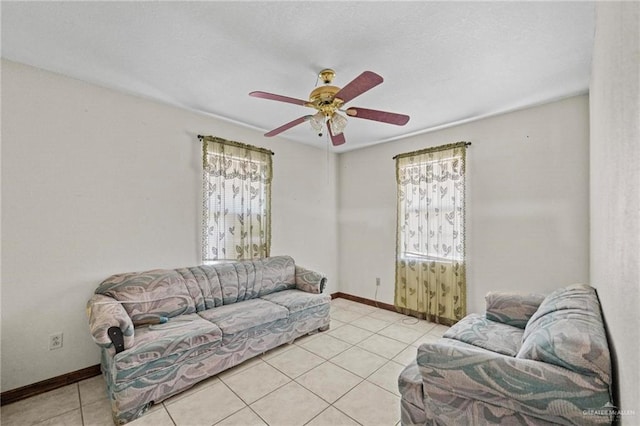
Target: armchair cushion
479, 331
512, 308
568, 331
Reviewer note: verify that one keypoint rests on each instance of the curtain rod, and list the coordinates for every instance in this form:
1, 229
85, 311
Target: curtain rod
466, 144
256, 148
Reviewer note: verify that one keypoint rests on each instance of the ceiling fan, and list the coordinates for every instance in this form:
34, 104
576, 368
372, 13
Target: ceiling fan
328, 100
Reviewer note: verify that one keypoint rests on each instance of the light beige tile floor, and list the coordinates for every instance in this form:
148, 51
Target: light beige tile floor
346, 376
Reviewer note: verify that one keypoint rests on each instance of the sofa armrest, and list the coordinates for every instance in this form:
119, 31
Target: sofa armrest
535, 388
310, 281
105, 312
512, 308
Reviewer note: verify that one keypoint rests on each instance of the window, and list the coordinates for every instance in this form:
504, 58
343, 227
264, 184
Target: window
430, 264
236, 200
435, 208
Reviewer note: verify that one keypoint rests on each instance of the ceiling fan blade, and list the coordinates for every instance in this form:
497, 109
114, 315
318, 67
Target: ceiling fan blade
274, 97
288, 125
375, 115
365, 81
338, 139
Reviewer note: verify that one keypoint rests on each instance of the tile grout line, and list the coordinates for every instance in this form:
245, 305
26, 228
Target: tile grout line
388, 360
64, 412
330, 403
365, 379
344, 350
80, 401
248, 405
268, 393
168, 414
258, 415
335, 408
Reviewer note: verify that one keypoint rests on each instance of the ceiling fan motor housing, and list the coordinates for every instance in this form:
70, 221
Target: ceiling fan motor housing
324, 99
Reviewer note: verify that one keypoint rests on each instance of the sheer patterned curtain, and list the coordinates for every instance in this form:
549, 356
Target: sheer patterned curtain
236, 201
430, 255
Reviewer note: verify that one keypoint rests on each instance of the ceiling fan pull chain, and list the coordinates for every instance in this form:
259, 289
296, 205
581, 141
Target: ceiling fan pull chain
327, 164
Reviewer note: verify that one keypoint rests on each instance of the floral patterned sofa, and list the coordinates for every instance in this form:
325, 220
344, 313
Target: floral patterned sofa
528, 360
204, 320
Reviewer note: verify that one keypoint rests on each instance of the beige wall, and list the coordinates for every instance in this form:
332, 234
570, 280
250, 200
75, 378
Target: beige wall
96, 182
615, 189
527, 204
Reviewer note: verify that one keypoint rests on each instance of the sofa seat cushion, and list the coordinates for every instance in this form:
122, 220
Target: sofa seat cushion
162, 345
238, 317
568, 331
297, 300
477, 330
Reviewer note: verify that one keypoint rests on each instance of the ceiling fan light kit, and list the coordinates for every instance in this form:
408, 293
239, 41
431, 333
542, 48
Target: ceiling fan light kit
327, 100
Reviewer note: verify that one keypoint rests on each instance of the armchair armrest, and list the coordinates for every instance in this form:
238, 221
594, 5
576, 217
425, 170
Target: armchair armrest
512, 308
105, 312
309, 281
534, 388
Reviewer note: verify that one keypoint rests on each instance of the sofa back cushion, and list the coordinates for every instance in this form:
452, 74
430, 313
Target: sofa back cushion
158, 292
203, 283
187, 290
567, 330
277, 274
226, 283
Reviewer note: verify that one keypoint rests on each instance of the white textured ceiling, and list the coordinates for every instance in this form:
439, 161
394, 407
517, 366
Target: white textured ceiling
443, 62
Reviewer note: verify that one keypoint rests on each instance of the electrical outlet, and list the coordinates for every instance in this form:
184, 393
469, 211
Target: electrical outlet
378, 282
55, 341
